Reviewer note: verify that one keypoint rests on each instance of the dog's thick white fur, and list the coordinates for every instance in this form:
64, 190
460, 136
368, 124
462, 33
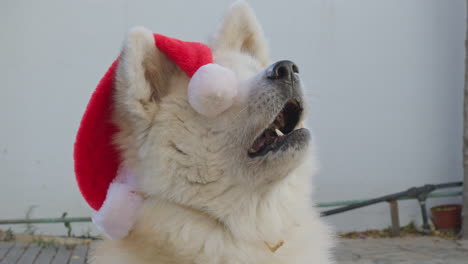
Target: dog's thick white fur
208, 201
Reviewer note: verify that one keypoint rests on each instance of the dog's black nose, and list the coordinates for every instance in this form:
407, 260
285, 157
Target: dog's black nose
282, 70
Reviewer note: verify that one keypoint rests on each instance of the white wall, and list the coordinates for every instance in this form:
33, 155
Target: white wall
384, 78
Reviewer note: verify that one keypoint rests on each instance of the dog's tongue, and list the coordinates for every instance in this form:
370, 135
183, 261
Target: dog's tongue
259, 143
268, 138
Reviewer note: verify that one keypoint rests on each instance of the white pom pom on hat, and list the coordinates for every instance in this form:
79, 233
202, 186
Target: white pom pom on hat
212, 89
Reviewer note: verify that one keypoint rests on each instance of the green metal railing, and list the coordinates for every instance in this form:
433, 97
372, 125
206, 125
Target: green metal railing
421, 194
45, 220
320, 205
349, 202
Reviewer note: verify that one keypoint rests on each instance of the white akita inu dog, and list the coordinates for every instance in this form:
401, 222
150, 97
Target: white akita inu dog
234, 188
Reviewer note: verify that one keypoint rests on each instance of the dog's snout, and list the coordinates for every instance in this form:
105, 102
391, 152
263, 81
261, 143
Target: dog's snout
282, 70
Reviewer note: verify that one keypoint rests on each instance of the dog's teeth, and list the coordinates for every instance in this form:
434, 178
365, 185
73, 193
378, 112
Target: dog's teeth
278, 132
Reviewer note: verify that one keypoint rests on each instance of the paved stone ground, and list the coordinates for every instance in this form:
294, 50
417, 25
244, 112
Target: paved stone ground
417, 250
32, 253
420, 250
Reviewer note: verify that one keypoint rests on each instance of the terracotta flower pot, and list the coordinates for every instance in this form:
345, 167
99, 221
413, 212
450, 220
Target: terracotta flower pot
447, 216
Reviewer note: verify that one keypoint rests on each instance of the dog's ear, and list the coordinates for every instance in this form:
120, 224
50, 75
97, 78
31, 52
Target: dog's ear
142, 76
240, 31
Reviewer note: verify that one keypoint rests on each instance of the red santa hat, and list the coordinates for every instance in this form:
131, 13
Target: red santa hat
212, 89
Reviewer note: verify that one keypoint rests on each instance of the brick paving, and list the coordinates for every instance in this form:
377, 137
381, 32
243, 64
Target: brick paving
32, 253
418, 250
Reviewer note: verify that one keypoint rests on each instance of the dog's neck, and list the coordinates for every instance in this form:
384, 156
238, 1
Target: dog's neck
273, 247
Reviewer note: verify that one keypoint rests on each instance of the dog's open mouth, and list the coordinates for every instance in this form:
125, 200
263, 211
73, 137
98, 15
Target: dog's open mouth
283, 127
